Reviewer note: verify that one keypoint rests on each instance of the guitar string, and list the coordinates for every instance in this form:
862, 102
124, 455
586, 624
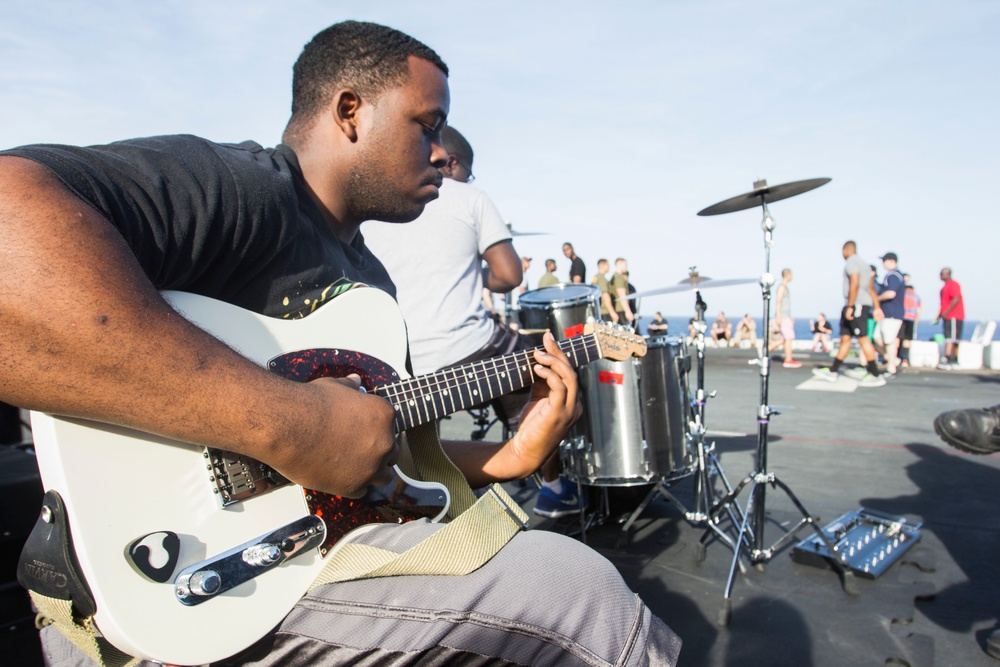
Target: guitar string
474, 373
419, 412
410, 409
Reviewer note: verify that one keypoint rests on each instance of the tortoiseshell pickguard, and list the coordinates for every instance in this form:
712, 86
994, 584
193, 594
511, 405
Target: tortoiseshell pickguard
397, 502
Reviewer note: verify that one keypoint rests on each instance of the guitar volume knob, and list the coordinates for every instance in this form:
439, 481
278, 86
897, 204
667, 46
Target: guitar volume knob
205, 583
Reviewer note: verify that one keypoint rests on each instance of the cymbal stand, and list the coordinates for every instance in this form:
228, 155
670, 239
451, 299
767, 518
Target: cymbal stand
706, 463
750, 534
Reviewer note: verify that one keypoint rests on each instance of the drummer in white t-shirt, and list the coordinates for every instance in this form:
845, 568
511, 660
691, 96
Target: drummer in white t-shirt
441, 297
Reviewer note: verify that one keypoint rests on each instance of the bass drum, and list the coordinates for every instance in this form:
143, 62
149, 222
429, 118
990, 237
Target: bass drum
666, 404
562, 309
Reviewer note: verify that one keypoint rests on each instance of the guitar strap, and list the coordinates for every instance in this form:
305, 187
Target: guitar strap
82, 633
475, 531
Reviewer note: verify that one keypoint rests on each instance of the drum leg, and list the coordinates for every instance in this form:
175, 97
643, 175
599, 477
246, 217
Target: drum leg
624, 537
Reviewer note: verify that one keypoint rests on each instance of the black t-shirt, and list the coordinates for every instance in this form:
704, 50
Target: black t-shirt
577, 268
233, 222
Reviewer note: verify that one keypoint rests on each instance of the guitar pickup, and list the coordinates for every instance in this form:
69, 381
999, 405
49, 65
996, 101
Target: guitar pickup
214, 576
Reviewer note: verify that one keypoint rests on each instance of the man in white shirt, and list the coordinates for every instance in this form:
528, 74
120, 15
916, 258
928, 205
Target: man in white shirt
441, 296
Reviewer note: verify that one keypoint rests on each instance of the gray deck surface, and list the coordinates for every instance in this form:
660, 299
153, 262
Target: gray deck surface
838, 451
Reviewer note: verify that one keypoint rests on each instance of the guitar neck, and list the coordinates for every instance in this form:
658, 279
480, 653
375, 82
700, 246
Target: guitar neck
429, 397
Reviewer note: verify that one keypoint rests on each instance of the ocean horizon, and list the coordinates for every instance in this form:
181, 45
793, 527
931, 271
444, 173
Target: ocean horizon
679, 325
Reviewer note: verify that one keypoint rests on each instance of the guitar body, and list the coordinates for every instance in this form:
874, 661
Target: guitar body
124, 488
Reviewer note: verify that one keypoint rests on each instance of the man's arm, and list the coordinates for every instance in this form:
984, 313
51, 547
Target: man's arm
951, 306
610, 305
891, 288
621, 292
503, 271
852, 294
876, 308
87, 335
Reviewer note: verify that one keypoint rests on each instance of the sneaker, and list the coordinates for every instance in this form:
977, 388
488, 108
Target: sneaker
945, 366
825, 374
870, 380
976, 431
792, 364
856, 373
905, 363
550, 505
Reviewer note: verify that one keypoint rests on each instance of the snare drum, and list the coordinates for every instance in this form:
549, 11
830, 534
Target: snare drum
562, 309
666, 403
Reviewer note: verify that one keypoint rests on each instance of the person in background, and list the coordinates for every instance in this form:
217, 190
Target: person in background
525, 265
861, 306
786, 325
619, 293
890, 295
633, 303
821, 331
549, 277
658, 326
577, 270
911, 315
608, 311
746, 330
722, 329
952, 313
451, 317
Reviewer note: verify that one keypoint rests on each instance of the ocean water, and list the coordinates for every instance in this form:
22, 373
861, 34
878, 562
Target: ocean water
679, 325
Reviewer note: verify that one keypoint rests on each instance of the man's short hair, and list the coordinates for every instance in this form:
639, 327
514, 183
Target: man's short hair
457, 145
602, 261
368, 57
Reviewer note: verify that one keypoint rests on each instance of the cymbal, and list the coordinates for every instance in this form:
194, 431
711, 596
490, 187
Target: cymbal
514, 232
687, 286
763, 192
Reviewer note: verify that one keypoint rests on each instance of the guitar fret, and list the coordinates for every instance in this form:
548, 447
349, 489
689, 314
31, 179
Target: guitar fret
495, 377
420, 403
433, 399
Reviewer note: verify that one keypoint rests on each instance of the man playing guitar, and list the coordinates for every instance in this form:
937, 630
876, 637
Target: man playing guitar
89, 236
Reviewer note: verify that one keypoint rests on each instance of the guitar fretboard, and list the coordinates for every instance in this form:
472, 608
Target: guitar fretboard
429, 397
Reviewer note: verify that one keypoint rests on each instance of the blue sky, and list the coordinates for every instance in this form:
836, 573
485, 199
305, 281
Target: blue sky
607, 126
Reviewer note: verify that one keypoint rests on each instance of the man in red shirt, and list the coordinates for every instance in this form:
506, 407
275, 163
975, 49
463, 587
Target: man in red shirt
953, 313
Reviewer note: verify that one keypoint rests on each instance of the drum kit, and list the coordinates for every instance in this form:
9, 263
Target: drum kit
644, 419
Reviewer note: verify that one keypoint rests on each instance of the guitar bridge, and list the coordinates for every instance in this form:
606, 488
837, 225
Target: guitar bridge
236, 477
218, 574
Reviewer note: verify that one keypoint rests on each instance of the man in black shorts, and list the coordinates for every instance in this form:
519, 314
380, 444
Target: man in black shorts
860, 307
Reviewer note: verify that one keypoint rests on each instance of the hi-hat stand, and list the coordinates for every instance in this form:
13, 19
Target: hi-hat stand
749, 534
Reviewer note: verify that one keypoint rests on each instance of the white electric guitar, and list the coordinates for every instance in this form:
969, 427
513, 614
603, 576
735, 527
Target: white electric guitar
193, 554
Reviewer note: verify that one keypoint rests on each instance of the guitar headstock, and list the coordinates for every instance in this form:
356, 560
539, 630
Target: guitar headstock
617, 343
